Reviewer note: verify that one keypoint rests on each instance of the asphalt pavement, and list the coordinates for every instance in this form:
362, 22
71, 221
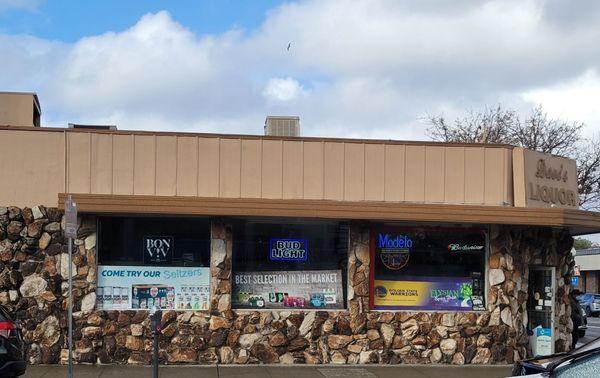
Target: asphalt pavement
259, 371
593, 331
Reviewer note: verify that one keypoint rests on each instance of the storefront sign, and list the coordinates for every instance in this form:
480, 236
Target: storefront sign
426, 293
316, 289
142, 287
552, 176
543, 180
288, 249
457, 247
394, 250
158, 249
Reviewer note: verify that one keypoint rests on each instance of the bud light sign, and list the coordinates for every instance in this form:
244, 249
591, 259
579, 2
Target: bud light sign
158, 249
288, 249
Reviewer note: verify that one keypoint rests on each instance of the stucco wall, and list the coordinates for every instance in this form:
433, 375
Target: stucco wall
33, 285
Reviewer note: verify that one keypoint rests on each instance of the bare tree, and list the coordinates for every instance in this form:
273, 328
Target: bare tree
552, 136
588, 173
537, 132
492, 125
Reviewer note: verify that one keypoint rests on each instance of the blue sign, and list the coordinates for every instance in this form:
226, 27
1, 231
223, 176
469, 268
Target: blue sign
543, 332
398, 241
575, 280
288, 249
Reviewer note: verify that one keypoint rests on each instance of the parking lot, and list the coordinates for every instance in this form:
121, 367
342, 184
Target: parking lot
592, 332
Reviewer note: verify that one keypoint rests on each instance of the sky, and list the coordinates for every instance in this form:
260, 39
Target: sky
369, 69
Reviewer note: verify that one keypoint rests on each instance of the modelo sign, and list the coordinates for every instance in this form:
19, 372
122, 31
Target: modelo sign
158, 249
288, 249
394, 250
393, 241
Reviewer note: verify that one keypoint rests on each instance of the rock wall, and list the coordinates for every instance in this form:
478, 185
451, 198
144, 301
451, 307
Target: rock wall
33, 272
33, 278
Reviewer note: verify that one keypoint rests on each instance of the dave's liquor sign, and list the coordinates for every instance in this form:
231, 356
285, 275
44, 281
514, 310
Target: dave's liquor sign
543, 180
548, 188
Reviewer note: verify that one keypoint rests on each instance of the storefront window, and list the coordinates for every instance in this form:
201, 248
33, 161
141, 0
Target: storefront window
428, 268
146, 263
289, 264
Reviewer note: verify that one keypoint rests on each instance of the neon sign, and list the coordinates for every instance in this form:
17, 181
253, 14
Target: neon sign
288, 249
400, 241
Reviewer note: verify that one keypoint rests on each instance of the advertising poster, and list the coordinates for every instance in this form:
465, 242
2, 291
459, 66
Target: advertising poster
542, 343
311, 289
142, 287
428, 268
428, 293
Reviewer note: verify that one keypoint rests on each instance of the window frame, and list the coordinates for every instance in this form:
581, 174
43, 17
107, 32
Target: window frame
342, 265
391, 227
99, 239
206, 265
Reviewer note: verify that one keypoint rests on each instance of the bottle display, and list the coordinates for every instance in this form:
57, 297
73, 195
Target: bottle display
135, 288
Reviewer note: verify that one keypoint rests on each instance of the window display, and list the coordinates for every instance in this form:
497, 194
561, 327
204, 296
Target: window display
147, 263
289, 264
428, 268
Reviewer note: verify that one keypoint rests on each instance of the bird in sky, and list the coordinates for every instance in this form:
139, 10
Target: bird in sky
289, 46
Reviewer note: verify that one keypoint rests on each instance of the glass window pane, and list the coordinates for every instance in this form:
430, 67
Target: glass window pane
286, 263
428, 268
153, 263
121, 240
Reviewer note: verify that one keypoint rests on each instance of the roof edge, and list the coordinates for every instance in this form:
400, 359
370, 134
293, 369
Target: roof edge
576, 221
258, 136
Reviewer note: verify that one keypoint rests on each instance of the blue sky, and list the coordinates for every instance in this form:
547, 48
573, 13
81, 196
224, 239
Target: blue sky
69, 20
369, 69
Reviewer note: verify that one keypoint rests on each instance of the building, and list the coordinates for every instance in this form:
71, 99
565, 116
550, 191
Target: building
287, 249
588, 261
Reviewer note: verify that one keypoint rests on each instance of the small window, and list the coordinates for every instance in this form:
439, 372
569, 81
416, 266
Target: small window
283, 263
428, 268
153, 263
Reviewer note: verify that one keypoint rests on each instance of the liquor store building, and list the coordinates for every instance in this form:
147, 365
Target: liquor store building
262, 249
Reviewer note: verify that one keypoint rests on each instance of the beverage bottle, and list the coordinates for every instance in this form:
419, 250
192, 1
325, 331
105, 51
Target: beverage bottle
100, 298
125, 297
108, 297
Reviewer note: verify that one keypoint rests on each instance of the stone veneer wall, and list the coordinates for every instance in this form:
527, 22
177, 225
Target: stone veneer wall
33, 271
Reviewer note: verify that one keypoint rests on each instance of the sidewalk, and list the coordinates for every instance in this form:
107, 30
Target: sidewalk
359, 371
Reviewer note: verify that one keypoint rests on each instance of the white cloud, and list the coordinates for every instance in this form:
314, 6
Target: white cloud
364, 69
279, 89
573, 99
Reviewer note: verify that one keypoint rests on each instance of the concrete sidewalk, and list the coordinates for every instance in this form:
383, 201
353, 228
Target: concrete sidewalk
359, 371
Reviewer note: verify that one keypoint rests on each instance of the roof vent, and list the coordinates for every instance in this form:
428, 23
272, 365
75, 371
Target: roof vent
92, 127
283, 126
